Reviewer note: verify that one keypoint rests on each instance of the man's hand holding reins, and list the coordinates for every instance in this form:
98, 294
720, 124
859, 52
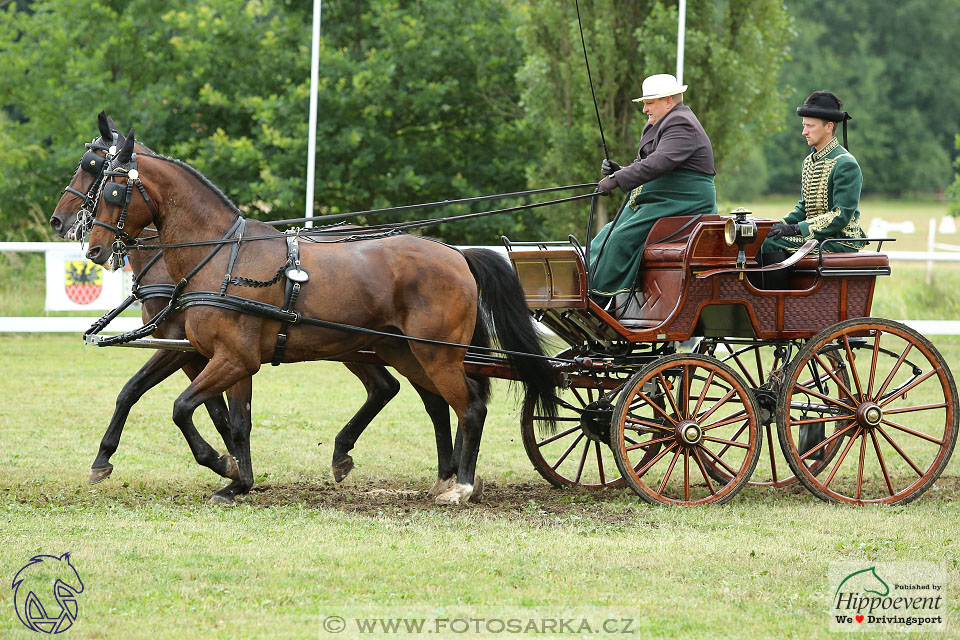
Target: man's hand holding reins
609, 166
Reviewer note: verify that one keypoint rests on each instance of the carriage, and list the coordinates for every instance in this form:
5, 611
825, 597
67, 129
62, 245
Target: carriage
862, 409
674, 389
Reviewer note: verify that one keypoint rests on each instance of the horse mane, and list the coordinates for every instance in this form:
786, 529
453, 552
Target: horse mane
199, 176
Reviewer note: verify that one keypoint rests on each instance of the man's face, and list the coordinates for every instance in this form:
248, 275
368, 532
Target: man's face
817, 132
657, 108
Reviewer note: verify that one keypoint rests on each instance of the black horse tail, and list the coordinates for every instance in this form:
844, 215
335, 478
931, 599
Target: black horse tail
503, 313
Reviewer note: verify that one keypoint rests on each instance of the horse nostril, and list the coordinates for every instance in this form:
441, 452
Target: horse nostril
56, 223
93, 253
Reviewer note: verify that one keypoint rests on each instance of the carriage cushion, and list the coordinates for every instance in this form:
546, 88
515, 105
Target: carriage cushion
665, 252
837, 260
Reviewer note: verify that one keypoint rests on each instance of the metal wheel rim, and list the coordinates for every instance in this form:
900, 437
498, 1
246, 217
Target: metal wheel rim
882, 459
567, 458
698, 406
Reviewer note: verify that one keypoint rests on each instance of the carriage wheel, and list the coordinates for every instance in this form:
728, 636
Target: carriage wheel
896, 422
761, 364
688, 409
576, 454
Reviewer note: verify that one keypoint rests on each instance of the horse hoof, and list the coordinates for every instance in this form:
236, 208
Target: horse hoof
477, 495
99, 475
232, 470
219, 499
458, 495
342, 468
442, 486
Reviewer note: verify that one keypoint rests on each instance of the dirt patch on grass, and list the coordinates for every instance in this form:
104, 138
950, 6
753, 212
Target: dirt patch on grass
534, 503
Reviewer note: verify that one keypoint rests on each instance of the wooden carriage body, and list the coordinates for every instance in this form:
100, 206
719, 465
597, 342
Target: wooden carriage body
687, 286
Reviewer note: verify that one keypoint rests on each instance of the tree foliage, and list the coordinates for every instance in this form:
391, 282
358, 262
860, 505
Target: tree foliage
894, 68
416, 103
732, 54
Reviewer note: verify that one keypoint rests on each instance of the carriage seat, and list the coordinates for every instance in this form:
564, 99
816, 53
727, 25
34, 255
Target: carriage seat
664, 252
662, 263
853, 260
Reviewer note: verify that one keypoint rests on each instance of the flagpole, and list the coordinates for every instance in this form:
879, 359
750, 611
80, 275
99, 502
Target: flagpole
312, 137
681, 28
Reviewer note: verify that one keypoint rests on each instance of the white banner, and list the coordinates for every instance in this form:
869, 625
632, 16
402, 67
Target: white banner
75, 283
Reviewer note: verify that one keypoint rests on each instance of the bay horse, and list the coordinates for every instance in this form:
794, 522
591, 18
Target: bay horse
149, 269
395, 284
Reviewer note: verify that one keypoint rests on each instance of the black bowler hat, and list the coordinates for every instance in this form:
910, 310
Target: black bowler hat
826, 106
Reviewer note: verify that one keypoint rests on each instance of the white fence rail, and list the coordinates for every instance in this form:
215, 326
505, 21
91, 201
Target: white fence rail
72, 324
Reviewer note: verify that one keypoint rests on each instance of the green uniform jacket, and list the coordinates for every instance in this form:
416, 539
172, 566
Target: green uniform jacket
829, 203
616, 251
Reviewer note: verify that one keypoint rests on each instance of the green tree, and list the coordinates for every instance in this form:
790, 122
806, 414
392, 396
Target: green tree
893, 68
732, 54
954, 191
416, 103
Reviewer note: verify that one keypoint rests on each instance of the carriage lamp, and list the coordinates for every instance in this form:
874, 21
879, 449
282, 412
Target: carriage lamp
740, 230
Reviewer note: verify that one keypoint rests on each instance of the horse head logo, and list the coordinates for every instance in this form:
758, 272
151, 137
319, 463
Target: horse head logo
45, 593
867, 581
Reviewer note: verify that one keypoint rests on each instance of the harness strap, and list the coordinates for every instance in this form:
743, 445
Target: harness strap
292, 290
234, 252
154, 260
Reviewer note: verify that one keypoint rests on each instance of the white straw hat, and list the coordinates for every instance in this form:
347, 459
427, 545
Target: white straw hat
660, 85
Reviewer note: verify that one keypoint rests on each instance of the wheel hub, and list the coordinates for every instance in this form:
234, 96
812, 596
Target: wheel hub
595, 420
869, 414
689, 432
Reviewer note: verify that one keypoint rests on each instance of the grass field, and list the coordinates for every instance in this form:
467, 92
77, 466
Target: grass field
157, 561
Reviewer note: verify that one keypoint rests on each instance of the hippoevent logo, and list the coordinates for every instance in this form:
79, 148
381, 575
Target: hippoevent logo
45, 594
83, 281
882, 597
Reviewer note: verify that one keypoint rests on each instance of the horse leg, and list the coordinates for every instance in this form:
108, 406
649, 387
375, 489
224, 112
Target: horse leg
439, 412
216, 407
218, 375
444, 367
381, 388
158, 368
239, 396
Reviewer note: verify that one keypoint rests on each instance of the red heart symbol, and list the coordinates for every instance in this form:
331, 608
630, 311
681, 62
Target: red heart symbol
859, 618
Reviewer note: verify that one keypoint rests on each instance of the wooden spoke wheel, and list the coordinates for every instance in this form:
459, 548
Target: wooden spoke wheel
895, 413
762, 366
576, 453
675, 415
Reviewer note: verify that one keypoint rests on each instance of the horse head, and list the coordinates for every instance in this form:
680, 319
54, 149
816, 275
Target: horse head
115, 211
44, 581
77, 198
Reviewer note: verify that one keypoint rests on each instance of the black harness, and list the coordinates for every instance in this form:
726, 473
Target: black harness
94, 164
120, 194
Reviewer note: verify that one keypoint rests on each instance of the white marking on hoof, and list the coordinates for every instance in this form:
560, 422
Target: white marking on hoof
477, 495
442, 486
457, 496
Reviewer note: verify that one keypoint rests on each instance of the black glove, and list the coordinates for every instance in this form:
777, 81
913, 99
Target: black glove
780, 229
607, 185
609, 166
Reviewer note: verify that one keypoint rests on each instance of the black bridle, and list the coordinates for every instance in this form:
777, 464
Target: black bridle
94, 164
118, 194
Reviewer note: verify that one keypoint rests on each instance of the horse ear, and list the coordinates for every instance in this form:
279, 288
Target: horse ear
105, 124
126, 151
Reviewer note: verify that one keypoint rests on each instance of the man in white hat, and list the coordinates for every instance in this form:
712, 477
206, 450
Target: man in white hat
672, 175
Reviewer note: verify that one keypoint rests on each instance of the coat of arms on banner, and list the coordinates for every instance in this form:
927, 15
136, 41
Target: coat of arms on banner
82, 281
